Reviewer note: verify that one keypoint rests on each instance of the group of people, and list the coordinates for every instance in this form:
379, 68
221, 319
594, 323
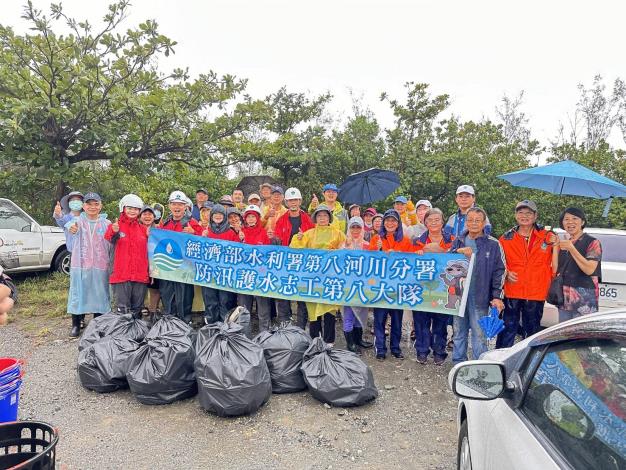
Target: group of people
512, 273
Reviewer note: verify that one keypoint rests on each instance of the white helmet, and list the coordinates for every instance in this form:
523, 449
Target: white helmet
177, 196
252, 208
292, 193
189, 203
131, 200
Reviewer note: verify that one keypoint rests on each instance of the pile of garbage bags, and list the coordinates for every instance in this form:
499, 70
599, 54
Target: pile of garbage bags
233, 378
105, 349
336, 376
232, 374
161, 370
284, 348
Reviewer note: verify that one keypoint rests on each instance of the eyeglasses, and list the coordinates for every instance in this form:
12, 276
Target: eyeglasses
525, 213
433, 222
474, 221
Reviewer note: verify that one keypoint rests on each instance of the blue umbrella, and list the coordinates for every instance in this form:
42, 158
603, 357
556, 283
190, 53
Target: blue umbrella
566, 177
491, 324
368, 186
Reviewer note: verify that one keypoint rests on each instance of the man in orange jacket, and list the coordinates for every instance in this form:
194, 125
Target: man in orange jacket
528, 252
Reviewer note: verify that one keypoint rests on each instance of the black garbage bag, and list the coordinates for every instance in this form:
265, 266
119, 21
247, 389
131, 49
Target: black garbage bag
284, 347
161, 370
241, 316
102, 366
98, 328
336, 376
233, 378
114, 324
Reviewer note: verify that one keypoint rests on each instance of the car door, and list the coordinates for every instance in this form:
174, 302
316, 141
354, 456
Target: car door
573, 413
20, 238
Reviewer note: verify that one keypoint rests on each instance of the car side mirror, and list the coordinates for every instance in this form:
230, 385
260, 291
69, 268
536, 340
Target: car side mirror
566, 415
478, 380
27, 228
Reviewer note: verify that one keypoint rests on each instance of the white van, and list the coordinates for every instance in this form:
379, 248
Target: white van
613, 285
27, 246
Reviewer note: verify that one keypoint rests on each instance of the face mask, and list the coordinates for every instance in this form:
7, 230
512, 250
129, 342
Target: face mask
75, 205
157, 214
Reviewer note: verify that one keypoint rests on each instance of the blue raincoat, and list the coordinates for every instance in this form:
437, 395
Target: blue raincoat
89, 267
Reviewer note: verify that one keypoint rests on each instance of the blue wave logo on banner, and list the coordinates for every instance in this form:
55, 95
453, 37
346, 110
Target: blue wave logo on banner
168, 255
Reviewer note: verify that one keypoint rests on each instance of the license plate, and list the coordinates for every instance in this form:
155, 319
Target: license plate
612, 295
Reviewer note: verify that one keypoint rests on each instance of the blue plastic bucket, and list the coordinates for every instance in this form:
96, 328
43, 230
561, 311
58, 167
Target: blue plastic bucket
10, 369
9, 401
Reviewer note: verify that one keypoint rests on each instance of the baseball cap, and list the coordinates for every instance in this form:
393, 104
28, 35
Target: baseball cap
202, 190
370, 210
207, 205
330, 187
526, 203
292, 193
226, 200
277, 189
265, 185
401, 199
465, 188
423, 202
391, 213
147, 208
254, 196
92, 197
177, 196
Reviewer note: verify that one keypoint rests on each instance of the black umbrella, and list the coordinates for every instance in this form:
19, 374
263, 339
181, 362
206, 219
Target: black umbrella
368, 186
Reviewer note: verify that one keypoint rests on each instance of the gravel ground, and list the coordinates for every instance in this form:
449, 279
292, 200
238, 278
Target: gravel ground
411, 424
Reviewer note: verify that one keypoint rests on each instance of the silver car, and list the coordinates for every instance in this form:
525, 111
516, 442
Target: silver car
27, 246
556, 400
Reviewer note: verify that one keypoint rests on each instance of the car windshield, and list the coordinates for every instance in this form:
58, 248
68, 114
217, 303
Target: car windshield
612, 247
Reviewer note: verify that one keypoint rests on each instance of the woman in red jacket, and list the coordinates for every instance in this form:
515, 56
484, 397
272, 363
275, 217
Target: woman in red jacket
218, 302
129, 278
255, 234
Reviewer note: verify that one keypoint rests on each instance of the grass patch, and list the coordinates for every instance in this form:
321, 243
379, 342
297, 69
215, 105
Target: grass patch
42, 295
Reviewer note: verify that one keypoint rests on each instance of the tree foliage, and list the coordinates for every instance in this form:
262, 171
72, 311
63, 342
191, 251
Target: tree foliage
91, 109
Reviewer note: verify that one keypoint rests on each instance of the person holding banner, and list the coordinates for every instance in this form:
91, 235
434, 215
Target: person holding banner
177, 297
430, 327
355, 318
325, 237
390, 238
255, 234
218, 302
288, 225
486, 283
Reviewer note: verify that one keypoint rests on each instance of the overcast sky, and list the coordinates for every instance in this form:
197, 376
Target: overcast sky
475, 51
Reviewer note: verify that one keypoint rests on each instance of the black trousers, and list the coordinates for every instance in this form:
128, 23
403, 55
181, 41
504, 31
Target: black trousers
530, 311
129, 296
315, 328
177, 298
217, 303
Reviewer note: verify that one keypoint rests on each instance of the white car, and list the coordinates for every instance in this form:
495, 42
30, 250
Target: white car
613, 285
27, 246
556, 400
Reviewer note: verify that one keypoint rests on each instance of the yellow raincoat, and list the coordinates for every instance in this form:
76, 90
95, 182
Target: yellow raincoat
320, 238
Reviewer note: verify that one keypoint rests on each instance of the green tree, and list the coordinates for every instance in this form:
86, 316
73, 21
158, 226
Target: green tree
98, 96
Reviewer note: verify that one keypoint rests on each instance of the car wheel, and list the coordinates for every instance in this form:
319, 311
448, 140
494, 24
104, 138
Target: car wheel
463, 456
62, 262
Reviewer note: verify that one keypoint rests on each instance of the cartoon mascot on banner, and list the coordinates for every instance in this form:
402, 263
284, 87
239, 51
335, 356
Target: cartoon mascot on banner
454, 279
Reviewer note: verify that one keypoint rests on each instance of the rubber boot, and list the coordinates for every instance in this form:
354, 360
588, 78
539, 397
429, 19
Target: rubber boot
349, 335
75, 332
358, 338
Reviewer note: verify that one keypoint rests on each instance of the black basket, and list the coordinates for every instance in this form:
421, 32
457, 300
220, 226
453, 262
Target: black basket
28, 445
